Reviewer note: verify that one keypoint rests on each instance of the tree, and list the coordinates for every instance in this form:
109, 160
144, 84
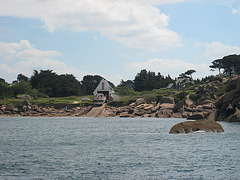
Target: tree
21, 77
68, 86
229, 64
4, 90
126, 90
48, 82
147, 81
2, 80
189, 73
128, 83
21, 87
141, 80
89, 83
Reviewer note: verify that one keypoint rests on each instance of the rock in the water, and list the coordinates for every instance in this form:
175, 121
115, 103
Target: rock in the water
235, 117
196, 116
206, 125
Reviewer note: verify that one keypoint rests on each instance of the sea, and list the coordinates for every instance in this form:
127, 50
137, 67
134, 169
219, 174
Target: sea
114, 148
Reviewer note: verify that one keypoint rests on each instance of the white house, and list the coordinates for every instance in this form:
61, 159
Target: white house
180, 83
104, 88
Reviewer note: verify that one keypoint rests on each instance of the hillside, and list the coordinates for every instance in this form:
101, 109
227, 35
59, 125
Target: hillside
194, 101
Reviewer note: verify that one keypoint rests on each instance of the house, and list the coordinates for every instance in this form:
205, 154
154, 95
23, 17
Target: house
179, 83
104, 88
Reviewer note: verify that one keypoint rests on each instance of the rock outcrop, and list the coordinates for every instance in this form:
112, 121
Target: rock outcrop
33, 110
206, 125
228, 106
166, 108
196, 105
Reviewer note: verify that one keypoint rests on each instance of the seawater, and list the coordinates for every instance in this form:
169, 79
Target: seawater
114, 148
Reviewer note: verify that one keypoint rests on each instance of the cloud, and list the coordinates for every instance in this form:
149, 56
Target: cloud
155, 2
137, 24
173, 67
233, 5
23, 57
217, 50
236, 10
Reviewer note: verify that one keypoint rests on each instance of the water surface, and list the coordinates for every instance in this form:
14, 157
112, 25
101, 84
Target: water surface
114, 148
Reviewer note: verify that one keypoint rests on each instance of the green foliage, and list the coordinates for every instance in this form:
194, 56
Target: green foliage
149, 96
21, 77
208, 78
35, 94
2, 80
22, 87
229, 64
147, 81
187, 74
4, 90
180, 96
125, 90
54, 85
89, 83
128, 83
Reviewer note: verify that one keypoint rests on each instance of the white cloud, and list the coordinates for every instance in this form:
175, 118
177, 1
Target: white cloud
172, 67
160, 1
236, 10
216, 50
233, 5
23, 57
137, 24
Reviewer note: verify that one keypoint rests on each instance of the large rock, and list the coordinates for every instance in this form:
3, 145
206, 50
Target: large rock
189, 102
196, 116
140, 101
206, 125
228, 105
125, 114
9, 107
167, 99
235, 117
179, 105
218, 78
167, 106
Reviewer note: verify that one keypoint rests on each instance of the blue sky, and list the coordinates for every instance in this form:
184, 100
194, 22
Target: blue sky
116, 38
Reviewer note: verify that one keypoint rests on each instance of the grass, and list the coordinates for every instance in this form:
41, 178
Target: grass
46, 102
149, 96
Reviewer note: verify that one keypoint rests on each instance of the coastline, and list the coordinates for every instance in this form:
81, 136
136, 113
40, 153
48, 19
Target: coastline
165, 109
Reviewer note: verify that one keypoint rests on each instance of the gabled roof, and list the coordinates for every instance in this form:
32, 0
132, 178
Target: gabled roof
103, 86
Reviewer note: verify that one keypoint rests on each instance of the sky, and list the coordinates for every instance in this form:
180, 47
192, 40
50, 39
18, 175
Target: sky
116, 39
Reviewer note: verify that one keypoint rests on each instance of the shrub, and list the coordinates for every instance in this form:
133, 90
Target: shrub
180, 96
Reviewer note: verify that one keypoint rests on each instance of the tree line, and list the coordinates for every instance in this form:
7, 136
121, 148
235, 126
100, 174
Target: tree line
46, 83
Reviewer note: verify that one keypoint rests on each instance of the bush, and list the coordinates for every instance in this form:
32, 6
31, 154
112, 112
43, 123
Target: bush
126, 90
194, 97
180, 96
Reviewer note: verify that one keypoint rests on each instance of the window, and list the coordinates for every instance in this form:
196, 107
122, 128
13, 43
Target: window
103, 86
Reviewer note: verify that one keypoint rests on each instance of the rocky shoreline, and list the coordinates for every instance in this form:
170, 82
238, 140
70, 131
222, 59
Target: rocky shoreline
227, 107
166, 108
